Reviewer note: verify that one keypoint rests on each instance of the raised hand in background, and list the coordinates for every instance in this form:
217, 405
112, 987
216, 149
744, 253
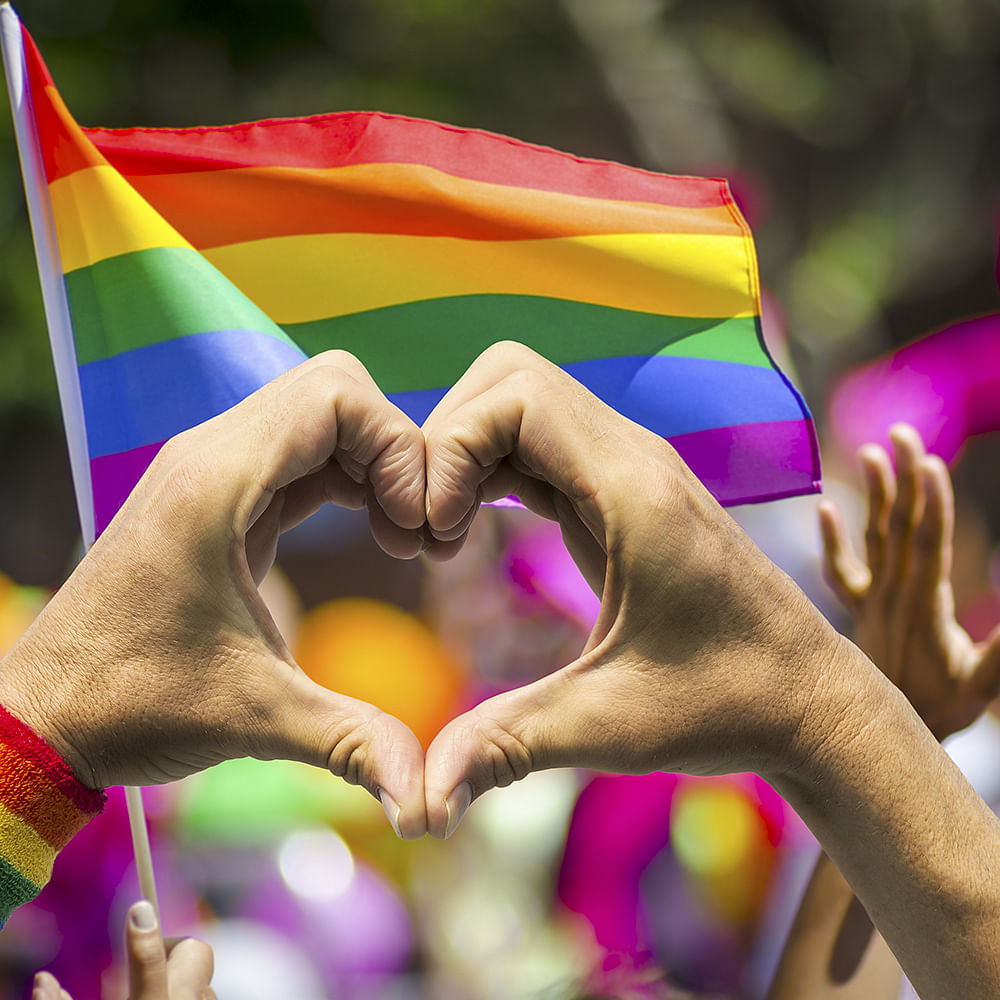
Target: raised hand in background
900, 594
180, 969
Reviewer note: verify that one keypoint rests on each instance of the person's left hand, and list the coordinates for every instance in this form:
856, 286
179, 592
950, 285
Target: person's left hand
705, 658
158, 657
901, 597
180, 969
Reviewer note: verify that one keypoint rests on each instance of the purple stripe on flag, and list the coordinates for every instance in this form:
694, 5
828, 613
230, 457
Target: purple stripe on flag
746, 463
752, 463
113, 477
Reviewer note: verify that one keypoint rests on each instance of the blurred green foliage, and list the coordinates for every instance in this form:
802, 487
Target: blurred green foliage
862, 137
866, 134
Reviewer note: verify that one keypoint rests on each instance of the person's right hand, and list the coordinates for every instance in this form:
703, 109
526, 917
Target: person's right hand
705, 657
900, 596
178, 970
158, 657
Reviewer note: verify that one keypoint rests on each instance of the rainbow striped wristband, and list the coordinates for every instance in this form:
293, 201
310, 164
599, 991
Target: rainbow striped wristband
42, 805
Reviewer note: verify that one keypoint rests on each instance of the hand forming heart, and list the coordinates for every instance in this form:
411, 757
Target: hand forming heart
158, 658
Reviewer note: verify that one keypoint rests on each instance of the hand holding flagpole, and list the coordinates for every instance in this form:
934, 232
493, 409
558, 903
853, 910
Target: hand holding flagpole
61, 339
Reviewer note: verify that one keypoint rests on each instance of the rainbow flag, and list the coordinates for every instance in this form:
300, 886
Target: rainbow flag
199, 263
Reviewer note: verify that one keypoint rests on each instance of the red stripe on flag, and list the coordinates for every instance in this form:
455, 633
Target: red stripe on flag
65, 149
355, 137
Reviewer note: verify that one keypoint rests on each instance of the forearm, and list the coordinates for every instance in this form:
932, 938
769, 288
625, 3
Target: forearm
916, 843
833, 952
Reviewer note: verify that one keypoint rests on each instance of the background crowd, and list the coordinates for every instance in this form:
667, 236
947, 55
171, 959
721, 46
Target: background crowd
861, 142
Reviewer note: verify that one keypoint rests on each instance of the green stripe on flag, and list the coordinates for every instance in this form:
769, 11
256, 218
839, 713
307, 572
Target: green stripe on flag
152, 296
429, 344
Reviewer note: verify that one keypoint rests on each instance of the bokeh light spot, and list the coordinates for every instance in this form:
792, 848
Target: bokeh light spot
381, 654
715, 829
316, 864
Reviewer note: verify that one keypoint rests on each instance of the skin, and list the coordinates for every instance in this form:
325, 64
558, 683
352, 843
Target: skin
158, 658
706, 659
176, 970
900, 594
904, 612
832, 952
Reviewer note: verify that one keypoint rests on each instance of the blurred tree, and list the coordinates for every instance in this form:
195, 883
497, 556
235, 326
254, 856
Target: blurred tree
869, 132
862, 138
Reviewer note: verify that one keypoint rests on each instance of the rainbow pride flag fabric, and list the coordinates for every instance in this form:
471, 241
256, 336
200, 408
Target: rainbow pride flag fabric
199, 263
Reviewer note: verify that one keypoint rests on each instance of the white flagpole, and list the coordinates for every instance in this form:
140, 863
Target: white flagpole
49, 265
63, 351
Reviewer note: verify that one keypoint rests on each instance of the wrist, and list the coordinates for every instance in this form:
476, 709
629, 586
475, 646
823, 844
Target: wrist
841, 699
42, 806
35, 688
811, 677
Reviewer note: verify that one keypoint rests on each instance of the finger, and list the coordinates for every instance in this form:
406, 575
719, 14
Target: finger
930, 562
513, 401
291, 427
190, 965
401, 543
147, 957
292, 505
330, 484
880, 486
553, 722
461, 453
847, 576
460, 529
907, 508
505, 480
351, 739
46, 987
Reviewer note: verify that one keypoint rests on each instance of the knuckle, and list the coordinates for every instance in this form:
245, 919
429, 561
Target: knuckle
339, 359
505, 753
323, 379
509, 355
351, 742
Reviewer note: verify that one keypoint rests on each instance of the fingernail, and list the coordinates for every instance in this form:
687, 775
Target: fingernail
142, 916
391, 810
457, 805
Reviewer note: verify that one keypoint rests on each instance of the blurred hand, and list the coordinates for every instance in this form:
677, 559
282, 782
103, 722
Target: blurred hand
158, 657
180, 970
704, 658
901, 598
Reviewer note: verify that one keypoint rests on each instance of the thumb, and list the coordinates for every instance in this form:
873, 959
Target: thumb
550, 723
147, 956
355, 741
46, 987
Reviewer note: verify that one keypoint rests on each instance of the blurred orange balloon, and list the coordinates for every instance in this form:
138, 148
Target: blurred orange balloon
383, 655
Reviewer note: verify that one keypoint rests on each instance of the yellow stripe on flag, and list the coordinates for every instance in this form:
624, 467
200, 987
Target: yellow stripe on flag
298, 279
98, 214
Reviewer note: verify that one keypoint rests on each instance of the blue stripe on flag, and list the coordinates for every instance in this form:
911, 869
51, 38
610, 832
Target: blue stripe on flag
152, 393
